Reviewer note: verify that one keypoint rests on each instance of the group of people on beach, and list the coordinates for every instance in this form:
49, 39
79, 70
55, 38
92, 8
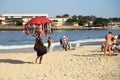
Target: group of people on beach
111, 41
41, 49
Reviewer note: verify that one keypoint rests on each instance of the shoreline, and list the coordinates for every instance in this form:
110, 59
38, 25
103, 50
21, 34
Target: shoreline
56, 48
19, 28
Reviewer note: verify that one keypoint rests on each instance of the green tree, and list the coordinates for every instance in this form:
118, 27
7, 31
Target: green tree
69, 20
73, 19
0, 22
85, 19
16, 21
65, 15
101, 22
114, 19
54, 20
80, 20
58, 16
19, 22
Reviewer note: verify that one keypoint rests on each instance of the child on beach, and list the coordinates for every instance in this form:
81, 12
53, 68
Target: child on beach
50, 41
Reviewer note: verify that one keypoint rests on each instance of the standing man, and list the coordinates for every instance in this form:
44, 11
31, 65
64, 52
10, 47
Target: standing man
108, 44
50, 41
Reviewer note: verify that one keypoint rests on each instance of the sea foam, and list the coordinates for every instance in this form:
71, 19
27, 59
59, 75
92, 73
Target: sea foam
3, 47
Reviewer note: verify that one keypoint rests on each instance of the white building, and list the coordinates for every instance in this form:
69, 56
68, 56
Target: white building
114, 25
61, 21
24, 17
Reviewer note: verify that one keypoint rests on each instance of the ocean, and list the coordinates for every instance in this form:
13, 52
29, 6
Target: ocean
17, 41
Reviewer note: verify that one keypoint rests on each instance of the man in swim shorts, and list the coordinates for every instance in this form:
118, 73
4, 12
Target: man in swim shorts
108, 44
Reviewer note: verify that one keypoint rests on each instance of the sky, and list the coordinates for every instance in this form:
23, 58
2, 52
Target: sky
98, 8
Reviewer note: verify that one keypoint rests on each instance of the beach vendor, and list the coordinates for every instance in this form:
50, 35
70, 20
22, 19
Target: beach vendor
40, 49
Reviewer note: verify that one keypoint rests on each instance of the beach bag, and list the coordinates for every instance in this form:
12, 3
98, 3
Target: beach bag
36, 47
42, 49
39, 48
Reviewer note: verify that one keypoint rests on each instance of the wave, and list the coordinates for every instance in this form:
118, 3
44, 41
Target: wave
3, 47
15, 46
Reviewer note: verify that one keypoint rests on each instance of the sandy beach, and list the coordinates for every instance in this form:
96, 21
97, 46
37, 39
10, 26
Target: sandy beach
83, 63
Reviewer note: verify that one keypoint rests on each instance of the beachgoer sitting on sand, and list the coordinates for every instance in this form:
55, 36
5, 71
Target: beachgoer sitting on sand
103, 47
64, 43
115, 46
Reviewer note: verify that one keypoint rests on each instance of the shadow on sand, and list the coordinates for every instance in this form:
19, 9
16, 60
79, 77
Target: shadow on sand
13, 61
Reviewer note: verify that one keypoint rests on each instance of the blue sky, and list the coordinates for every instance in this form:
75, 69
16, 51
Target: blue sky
98, 8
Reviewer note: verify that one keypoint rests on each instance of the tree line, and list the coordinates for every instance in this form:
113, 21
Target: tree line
82, 20
79, 19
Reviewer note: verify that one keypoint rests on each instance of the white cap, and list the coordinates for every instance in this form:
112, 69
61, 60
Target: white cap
116, 36
64, 36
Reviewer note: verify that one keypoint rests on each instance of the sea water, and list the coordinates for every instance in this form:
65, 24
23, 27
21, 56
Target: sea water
17, 41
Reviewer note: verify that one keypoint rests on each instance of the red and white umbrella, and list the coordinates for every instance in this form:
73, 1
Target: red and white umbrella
39, 20
38, 24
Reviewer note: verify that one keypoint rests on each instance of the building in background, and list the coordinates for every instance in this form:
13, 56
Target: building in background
114, 25
24, 17
59, 21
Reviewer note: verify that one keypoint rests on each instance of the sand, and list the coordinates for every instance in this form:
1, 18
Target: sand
83, 63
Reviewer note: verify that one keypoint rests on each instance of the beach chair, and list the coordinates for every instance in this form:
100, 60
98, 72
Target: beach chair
116, 48
76, 46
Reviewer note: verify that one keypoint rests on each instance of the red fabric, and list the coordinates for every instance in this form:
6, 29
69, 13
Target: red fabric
39, 20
